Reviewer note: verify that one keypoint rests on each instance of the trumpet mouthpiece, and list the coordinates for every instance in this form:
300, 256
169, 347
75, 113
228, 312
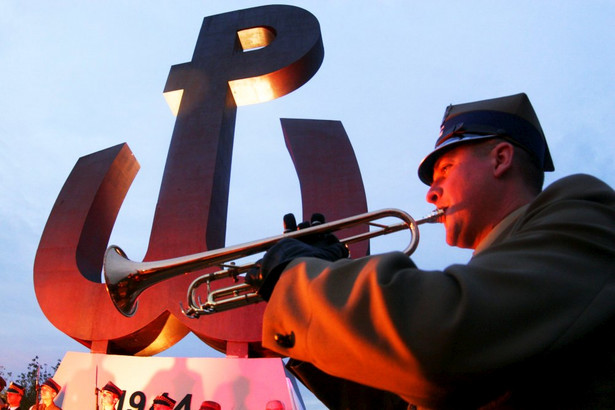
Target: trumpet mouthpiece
434, 216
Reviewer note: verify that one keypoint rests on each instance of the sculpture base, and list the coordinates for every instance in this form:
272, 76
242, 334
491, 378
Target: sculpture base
234, 383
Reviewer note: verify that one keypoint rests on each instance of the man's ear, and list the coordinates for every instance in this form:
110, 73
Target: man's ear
502, 158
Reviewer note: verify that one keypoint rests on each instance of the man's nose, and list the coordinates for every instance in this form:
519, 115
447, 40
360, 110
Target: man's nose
433, 194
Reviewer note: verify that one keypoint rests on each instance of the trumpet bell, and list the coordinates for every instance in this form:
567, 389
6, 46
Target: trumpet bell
123, 289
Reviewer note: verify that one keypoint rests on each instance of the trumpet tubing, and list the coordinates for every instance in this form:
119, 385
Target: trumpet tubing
126, 280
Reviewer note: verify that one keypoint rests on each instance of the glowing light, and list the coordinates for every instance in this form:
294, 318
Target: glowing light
255, 38
245, 91
256, 89
174, 99
252, 90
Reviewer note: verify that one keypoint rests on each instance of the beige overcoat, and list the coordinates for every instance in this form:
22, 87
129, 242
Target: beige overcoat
528, 322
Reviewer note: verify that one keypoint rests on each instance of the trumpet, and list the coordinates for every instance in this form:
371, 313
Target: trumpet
125, 279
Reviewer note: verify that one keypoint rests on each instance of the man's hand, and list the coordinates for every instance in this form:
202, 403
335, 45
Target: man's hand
268, 270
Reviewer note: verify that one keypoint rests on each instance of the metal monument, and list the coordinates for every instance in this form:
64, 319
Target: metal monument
242, 57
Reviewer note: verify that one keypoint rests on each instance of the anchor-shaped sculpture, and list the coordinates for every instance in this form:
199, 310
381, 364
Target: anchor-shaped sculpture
286, 51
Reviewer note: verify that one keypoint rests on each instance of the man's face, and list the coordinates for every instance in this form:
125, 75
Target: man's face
461, 186
47, 393
108, 398
13, 399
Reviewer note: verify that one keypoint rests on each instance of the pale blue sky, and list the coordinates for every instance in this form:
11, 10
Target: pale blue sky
81, 76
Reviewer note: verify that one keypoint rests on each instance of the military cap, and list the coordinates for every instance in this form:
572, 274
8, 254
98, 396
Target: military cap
511, 118
52, 385
112, 388
165, 400
16, 388
274, 405
210, 405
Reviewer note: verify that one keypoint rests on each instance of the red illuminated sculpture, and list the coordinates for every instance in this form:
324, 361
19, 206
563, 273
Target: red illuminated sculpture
191, 211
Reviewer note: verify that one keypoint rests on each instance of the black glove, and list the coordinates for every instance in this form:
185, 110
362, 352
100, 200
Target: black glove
267, 271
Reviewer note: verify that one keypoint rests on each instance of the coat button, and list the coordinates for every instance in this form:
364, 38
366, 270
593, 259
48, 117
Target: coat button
285, 340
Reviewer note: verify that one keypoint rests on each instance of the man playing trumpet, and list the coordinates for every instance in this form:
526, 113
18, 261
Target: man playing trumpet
526, 323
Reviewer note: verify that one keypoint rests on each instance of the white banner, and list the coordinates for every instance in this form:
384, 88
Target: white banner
234, 383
